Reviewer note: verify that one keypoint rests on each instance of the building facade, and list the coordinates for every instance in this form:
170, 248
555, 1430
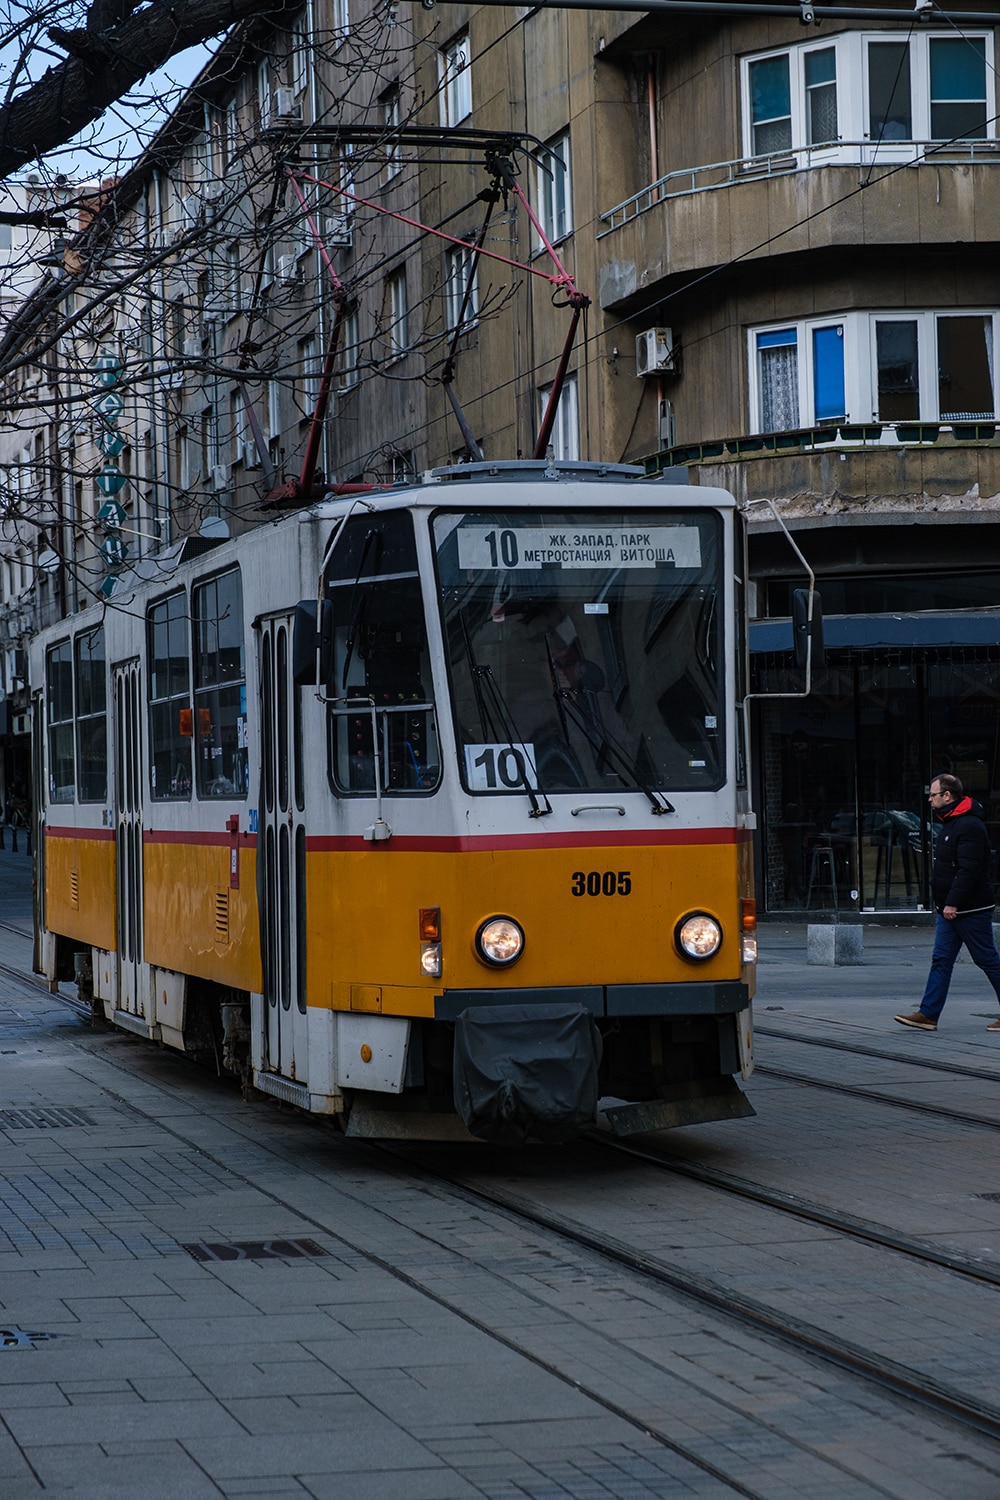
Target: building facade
787, 237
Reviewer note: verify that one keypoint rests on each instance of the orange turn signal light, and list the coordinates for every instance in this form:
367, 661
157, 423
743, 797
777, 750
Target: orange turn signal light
748, 914
430, 924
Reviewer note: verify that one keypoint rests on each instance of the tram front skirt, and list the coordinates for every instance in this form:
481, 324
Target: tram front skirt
526, 1072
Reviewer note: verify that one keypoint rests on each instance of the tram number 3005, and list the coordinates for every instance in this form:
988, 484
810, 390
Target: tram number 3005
602, 883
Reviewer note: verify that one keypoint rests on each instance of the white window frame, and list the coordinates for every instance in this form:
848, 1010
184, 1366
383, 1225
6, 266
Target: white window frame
565, 437
861, 365
398, 331
350, 343
455, 80
852, 72
554, 189
457, 261
392, 116
309, 376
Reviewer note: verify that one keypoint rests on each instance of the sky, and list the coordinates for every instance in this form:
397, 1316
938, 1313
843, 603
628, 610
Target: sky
122, 132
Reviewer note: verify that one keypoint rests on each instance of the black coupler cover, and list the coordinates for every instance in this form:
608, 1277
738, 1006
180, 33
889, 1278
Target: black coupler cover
526, 1072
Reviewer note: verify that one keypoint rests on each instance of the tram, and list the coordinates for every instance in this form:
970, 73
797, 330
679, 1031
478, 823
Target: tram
425, 808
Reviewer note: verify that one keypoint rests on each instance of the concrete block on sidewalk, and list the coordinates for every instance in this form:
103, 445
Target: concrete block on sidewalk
833, 944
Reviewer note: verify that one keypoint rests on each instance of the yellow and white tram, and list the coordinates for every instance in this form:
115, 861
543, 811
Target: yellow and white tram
426, 808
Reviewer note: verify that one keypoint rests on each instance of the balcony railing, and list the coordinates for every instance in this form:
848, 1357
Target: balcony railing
724, 174
818, 439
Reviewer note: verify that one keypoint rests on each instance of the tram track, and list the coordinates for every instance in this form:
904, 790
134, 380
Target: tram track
859, 1091
865, 1230
936, 1065
794, 1333
803, 1338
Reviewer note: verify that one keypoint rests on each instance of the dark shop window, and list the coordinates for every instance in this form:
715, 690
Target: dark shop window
59, 719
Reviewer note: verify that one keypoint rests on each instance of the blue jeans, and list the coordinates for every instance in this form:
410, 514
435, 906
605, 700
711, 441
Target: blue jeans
975, 930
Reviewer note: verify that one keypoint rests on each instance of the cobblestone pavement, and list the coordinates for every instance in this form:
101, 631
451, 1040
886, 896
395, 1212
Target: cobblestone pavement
424, 1347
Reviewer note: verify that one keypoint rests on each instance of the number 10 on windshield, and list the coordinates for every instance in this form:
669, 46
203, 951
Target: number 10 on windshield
500, 768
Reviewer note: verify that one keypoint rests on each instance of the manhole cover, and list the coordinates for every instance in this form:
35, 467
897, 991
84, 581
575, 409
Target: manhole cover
41, 1119
20, 1338
257, 1250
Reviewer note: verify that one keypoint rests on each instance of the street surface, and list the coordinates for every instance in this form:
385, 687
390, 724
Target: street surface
399, 1327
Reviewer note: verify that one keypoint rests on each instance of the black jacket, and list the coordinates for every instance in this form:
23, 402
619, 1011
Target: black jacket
960, 877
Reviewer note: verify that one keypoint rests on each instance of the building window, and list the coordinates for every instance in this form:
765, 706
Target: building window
59, 717
222, 768
866, 366
554, 189
565, 437
391, 121
170, 723
928, 87
455, 80
770, 105
91, 717
460, 276
309, 376
399, 318
350, 340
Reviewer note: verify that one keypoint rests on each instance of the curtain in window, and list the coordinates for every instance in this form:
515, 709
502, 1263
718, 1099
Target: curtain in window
778, 365
771, 105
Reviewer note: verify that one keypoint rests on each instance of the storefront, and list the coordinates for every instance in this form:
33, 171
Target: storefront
842, 776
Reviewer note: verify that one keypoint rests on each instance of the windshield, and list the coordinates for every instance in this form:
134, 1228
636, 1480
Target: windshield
584, 654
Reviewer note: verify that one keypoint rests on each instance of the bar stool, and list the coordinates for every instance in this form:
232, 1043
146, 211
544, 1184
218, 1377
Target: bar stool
822, 872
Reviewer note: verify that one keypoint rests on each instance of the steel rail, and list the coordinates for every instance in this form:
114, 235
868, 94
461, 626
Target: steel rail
803, 1208
963, 1117
937, 1066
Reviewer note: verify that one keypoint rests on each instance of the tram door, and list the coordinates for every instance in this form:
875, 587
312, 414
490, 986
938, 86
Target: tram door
281, 850
128, 834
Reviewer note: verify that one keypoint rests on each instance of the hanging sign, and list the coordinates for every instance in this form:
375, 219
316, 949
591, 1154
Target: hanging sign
110, 480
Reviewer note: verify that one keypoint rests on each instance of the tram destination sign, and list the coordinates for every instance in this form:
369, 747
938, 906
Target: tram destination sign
528, 548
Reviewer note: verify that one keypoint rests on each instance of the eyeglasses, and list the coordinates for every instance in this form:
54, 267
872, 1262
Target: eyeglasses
932, 795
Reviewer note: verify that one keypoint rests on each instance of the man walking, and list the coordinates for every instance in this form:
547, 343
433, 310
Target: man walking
963, 897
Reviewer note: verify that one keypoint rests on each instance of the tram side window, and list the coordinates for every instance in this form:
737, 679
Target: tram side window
381, 663
91, 717
170, 722
59, 716
220, 692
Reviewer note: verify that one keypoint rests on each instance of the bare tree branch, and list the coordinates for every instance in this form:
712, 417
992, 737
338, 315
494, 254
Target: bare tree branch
105, 63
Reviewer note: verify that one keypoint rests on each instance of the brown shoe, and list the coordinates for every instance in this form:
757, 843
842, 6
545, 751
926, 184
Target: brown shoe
920, 1022
994, 1025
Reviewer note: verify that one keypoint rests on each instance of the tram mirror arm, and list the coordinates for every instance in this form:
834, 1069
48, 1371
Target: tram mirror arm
312, 648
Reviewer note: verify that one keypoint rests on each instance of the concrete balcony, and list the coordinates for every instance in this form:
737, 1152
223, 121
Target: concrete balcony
823, 199
897, 472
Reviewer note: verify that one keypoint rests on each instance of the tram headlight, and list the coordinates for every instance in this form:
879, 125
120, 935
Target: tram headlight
499, 941
698, 935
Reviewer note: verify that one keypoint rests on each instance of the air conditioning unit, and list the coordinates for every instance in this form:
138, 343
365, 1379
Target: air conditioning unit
286, 107
654, 352
212, 192
288, 269
191, 209
220, 476
338, 229
193, 347
216, 305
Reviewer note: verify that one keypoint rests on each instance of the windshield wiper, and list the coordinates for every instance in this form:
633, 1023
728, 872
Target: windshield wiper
497, 713
603, 742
